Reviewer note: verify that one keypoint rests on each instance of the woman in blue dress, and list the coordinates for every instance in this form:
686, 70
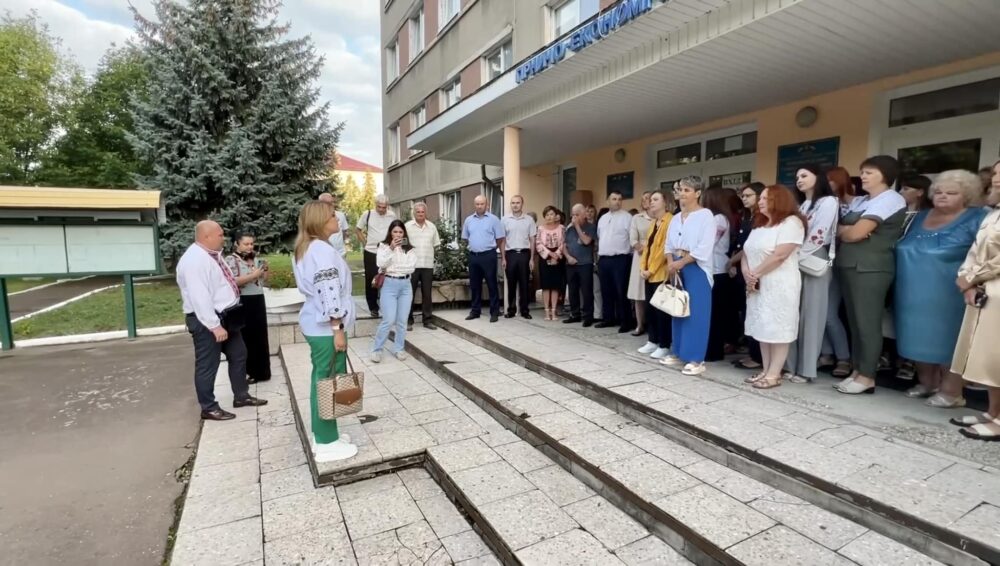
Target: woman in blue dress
929, 308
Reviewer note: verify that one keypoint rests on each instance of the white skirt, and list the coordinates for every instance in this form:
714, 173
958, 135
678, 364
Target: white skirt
636, 286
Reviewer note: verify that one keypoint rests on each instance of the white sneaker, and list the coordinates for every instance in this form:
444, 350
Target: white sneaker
844, 382
401, 355
334, 451
660, 353
693, 369
648, 348
376, 357
670, 360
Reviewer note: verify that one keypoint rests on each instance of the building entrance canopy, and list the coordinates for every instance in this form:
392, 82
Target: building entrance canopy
684, 62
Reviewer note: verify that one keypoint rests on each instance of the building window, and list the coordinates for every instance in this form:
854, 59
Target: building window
680, 155
451, 94
392, 61
499, 60
935, 158
447, 9
416, 33
451, 204
393, 144
972, 98
494, 196
731, 146
569, 14
418, 117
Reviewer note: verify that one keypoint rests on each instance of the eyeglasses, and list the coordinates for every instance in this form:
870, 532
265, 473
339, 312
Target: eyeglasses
748, 195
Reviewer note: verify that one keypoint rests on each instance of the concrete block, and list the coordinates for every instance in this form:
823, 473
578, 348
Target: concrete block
443, 516
410, 544
601, 447
300, 512
490, 482
523, 456
781, 546
650, 477
524, 519
563, 424
716, 516
285, 482
462, 455
383, 511
327, 546
559, 485
219, 507
668, 450
733, 484
651, 551
281, 457
820, 525
606, 522
231, 544
467, 547
573, 548
873, 549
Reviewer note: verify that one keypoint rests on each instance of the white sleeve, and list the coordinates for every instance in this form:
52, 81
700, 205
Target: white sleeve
667, 249
791, 231
822, 225
704, 245
199, 288
884, 206
383, 257
327, 280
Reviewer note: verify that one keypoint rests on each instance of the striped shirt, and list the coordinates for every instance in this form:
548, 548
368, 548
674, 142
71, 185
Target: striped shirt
424, 240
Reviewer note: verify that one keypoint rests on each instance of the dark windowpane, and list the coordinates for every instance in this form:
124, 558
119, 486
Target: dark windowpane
679, 155
731, 146
935, 158
961, 100
568, 186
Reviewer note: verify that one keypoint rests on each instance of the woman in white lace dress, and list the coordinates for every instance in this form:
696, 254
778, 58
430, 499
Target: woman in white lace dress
771, 269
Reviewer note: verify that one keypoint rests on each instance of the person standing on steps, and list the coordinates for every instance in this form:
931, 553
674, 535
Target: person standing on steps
372, 227
580, 236
521, 232
614, 263
338, 240
397, 260
425, 239
636, 292
485, 234
212, 314
324, 279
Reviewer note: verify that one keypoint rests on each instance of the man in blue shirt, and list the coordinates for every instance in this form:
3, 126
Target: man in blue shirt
580, 238
484, 233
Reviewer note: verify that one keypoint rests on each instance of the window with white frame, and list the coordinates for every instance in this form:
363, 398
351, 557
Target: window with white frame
494, 196
418, 117
451, 94
567, 15
447, 9
392, 62
416, 33
499, 60
451, 206
393, 141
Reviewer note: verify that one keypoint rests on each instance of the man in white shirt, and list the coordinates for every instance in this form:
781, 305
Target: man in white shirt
338, 240
518, 261
425, 239
372, 228
211, 300
614, 263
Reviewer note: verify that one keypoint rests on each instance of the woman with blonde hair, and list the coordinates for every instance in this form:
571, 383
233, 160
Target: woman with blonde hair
324, 279
653, 271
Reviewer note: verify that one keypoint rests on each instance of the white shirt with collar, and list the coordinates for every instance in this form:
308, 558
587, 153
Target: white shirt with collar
520, 230
424, 240
376, 226
613, 233
205, 290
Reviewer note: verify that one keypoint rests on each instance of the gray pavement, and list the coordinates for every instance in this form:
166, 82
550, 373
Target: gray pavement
35, 300
91, 436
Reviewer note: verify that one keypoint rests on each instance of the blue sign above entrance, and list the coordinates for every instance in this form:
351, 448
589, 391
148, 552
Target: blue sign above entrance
593, 31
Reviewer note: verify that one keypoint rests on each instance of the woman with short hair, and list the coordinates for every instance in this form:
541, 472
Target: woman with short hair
550, 243
397, 259
250, 272
653, 270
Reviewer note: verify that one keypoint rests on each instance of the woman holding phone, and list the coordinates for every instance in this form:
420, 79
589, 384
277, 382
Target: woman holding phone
250, 272
397, 260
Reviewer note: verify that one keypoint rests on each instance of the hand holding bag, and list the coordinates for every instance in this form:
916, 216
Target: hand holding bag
378, 280
340, 395
815, 266
672, 299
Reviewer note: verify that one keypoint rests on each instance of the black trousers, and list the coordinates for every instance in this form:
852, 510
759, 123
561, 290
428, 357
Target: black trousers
659, 327
206, 363
371, 293
255, 337
517, 274
722, 321
614, 271
483, 265
422, 277
581, 290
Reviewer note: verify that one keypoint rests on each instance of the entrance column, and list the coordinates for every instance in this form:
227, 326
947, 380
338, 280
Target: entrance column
511, 161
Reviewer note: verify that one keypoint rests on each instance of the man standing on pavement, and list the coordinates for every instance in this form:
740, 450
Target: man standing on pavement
211, 302
580, 236
485, 234
518, 260
372, 228
614, 263
424, 238
338, 240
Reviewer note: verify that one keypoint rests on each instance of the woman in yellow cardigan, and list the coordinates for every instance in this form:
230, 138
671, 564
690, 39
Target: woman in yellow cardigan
653, 271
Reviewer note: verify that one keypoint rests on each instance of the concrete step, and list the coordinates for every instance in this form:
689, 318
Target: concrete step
713, 490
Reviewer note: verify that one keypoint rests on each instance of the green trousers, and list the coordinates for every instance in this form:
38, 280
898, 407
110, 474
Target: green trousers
864, 297
324, 359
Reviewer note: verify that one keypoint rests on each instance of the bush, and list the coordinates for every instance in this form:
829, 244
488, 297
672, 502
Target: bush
280, 277
452, 259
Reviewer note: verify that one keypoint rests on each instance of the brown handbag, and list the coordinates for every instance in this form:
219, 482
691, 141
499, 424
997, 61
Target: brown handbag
378, 280
340, 395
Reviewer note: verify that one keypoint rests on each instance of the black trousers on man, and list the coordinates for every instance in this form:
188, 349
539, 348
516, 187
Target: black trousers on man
422, 277
371, 293
581, 286
517, 280
206, 363
614, 271
483, 265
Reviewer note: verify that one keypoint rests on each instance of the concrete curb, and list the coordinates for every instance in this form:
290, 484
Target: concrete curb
98, 336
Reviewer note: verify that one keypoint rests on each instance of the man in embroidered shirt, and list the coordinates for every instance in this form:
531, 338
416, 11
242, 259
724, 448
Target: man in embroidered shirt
338, 240
372, 228
485, 234
210, 300
518, 256
614, 263
425, 239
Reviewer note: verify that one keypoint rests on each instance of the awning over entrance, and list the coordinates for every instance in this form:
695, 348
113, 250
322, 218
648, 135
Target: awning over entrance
690, 61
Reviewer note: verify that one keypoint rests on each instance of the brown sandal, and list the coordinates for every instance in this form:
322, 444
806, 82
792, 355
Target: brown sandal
842, 369
754, 378
767, 383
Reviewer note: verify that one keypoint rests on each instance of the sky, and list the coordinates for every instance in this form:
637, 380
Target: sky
345, 32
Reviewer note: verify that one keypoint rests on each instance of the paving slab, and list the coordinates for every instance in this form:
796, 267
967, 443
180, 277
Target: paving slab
650, 551
468, 548
817, 524
300, 512
491, 482
781, 546
573, 548
324, 546
650, 477
527, 518
414, 543
873, 549
606, 522
231, 544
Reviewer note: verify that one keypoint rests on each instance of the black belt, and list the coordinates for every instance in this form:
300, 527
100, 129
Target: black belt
493, 251
524, 251
398, 276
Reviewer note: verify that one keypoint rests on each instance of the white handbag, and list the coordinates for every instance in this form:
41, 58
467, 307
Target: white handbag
815, 266
672, 299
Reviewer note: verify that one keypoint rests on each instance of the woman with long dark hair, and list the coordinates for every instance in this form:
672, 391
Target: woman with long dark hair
749, 194
714, 199
397, 260
551, 246
250, 272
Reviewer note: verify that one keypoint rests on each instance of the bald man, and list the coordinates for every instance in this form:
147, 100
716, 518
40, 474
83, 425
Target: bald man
213, 316
485, 235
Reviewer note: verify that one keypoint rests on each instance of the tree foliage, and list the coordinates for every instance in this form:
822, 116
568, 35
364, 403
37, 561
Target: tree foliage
230, 124
357, 199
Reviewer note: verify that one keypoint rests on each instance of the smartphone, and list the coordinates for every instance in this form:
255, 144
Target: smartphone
980, 298
406, 241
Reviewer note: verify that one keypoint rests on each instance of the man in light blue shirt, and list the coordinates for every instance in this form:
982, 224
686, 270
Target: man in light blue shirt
484, 232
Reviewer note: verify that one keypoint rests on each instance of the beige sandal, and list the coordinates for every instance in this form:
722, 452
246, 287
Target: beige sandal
754, 378
767, 382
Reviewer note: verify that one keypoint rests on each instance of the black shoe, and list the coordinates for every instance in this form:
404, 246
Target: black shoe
572, 319
526, 316
605, 324
588, 323
430, 326
217, 415
625, 329
409, 326
472, 316
375, 314
494, 317
509, 315
249, 402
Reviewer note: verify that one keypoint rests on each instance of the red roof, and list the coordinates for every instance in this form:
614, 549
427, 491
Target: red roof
345, 163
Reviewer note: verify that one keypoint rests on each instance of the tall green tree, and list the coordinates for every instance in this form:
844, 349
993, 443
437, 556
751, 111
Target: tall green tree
36, 86
95, 151
231, 124
352, 200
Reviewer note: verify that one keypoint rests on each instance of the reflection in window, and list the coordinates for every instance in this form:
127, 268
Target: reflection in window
499, 60
731, 146
973, 98
680, 155
569, 14
935, 158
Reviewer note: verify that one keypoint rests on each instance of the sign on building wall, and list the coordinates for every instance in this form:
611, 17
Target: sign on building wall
730, 180
624, 183
824, 153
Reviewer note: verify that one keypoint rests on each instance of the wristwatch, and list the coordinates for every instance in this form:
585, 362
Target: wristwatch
339, 326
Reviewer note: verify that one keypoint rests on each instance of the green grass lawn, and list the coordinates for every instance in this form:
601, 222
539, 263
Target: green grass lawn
16, 284
157, 304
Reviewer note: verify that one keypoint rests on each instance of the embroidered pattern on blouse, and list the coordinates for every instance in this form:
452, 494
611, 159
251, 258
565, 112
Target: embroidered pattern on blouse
326, 275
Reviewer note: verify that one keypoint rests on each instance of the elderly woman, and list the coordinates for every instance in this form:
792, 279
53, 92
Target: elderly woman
324, 279
690, 255
774, 284
977, 356
396, 259
653, 270
636, 291
865, 266
928, 310
250, 273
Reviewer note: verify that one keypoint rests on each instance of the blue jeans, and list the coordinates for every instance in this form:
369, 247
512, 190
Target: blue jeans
395, 298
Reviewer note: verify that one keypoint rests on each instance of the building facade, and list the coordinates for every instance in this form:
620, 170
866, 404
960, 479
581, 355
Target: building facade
634, 94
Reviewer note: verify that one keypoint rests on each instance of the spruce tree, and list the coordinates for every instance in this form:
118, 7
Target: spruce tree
231, 124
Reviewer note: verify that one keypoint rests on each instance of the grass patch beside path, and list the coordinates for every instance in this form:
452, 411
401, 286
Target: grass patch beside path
157, 304
16, 284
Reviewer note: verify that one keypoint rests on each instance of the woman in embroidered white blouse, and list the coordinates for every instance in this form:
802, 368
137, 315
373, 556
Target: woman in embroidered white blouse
396, 259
